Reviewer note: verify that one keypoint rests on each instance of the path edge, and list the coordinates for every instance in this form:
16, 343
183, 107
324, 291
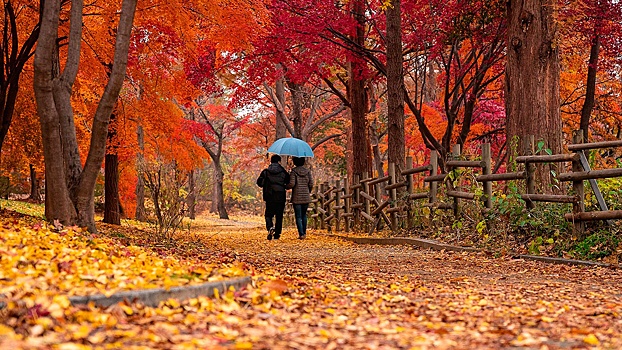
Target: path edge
153, 297
435, 245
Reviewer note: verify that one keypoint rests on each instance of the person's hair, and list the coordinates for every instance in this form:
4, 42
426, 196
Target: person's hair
275, 158
298, 161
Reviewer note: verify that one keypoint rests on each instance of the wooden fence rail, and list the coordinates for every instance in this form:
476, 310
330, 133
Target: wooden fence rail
388, 200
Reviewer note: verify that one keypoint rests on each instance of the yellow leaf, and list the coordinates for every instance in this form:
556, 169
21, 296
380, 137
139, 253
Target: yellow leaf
4, 330
173, 303
82, 332
97, 338
128, 310
591, 339
244, 345
547, 319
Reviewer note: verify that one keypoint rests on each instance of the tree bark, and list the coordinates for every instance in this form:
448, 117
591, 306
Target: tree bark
395, 84
281, 128
58, 205
296, 96
141, 213
34, 185
532, 77
52, 104
358, 97
219, 195
191, 195
590, 88
112, 213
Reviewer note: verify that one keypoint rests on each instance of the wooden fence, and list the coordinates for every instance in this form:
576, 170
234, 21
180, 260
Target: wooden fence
373, 202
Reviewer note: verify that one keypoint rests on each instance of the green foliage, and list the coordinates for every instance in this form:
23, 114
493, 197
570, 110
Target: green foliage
36, 210
611, 190
598, 245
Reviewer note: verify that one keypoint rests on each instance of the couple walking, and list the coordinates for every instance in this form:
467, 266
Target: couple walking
275, 181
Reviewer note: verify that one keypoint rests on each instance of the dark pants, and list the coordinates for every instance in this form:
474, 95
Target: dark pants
275, 209
300, 210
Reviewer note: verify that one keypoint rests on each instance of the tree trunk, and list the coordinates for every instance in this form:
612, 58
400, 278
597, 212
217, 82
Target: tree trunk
296, 96
191, 195
378, 163
13, 63
358, 96
590, 88
51, 98
395, 84
141, 214
112, 213
58, 205
532, 77
281, 129
219, 196
34, 185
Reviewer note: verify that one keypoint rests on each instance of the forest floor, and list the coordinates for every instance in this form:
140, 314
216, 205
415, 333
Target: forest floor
318, 293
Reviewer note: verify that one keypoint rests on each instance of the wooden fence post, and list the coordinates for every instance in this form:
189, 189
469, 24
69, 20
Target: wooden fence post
433, 184
346, 204
487, 170
356, 201
393, 196
530, 169
409, 190
315, 203
378, 195
577, 187
367, 204
337, 205
322, 201
456, 156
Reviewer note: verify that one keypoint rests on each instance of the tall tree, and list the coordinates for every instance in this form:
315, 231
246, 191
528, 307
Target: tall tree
65, 202
112, 212
212, 124
532, 75
358, 96
395, 83
597, 25
20, 30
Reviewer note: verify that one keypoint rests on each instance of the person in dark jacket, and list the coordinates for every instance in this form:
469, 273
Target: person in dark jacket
273, 181
301, 183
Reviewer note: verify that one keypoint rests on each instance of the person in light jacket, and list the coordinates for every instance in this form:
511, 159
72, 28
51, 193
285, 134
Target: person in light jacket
301, 183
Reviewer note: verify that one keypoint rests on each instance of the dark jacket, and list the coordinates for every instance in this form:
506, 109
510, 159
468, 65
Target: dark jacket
301, 183
273, 181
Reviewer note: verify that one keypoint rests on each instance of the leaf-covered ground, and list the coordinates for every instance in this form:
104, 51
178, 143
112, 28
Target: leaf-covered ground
323, 293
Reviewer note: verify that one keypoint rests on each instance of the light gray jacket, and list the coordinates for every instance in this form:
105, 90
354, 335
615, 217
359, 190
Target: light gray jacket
301, 183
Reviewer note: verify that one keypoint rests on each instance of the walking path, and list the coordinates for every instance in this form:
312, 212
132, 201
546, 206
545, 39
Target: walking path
341, 295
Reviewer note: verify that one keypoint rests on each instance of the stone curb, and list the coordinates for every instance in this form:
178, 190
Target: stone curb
153, 297
435, 245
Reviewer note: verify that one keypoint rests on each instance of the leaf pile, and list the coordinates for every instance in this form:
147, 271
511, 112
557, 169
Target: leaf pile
41, 267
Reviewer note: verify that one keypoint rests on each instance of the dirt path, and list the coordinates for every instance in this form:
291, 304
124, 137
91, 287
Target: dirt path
341, 295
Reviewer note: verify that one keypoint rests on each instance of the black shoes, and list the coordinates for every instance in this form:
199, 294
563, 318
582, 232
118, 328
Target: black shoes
271, 234
302, 236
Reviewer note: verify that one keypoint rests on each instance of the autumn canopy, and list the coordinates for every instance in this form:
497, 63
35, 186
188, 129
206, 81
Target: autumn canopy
170, 95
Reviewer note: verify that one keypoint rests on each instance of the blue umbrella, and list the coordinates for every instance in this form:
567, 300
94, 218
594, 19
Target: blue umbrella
290, 146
